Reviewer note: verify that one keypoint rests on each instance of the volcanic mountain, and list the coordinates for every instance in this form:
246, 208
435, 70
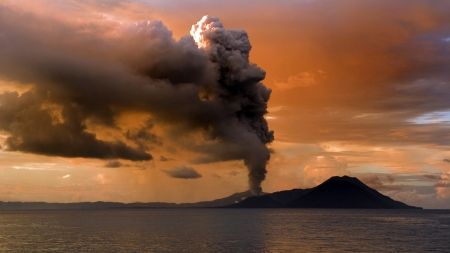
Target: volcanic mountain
336, 192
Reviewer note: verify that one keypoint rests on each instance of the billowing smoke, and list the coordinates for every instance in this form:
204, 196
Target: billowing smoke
72, 76
239, 86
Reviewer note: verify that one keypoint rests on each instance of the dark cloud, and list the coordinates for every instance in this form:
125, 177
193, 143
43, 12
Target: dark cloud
183, 172
431, 177
33, 129
375, 182
89, 74
113, 164
142, 137
165, 159
446, 160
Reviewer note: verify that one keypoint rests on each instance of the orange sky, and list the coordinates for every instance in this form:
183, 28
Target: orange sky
358, 88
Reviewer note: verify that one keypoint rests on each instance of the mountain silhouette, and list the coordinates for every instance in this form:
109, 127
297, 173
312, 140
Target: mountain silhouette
234, 198
336, 192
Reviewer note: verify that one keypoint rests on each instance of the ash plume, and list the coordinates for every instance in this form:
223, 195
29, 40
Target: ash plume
82, 75
239, 86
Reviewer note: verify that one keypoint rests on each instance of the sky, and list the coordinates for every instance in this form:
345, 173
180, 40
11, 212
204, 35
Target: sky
124, 100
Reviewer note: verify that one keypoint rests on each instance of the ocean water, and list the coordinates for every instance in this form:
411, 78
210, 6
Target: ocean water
225, 230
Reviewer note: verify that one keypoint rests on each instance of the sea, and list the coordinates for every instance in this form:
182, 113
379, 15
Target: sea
225, 230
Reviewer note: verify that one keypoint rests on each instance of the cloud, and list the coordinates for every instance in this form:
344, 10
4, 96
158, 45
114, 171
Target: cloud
375, 182
446, 160
442, 184
183, 172
33, 129
390, 179
143, 137
302, 79
113, 164
165, 159
431, 177
233, 173
442, 187
321, 168
66, 176
415, 198
216, 175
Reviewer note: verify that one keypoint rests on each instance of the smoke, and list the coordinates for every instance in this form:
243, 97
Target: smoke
89, 75
240, 87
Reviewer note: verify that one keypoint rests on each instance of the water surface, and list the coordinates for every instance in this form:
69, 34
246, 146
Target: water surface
225, 230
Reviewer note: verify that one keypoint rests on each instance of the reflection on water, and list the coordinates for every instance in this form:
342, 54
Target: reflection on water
225, 230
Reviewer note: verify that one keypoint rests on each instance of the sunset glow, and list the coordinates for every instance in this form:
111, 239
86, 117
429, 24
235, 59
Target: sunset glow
358, 88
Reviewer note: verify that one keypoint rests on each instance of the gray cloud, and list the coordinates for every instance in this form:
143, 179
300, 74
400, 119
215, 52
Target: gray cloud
183, 172
142, 137
113, 164
431, 177
165, 159
375, 182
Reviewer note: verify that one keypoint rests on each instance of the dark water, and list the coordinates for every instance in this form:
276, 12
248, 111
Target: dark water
225, 230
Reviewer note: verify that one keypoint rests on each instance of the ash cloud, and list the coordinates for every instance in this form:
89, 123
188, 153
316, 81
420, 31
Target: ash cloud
92, 73
33, 129
239, 85
183, 172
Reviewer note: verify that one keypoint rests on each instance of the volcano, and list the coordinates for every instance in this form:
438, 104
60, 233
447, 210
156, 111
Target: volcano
336, 192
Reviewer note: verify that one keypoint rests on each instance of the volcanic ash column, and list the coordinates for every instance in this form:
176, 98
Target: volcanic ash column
239, 87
